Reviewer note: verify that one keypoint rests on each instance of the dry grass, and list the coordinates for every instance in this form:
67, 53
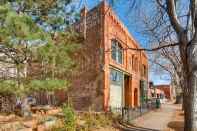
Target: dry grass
95, 122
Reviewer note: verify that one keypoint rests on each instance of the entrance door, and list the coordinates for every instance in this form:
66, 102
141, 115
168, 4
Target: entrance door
143, 92
127, 91
135, 97
116, 89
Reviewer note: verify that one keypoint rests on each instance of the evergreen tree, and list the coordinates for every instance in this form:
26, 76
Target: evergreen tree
24, 41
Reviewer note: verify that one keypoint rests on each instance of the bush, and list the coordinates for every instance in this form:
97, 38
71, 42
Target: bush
69, 118
93, 121
8, 87
47, 85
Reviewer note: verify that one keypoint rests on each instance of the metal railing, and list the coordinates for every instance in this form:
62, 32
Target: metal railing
128, 113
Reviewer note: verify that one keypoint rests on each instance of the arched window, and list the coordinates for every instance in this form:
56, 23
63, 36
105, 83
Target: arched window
135, 63
117, 52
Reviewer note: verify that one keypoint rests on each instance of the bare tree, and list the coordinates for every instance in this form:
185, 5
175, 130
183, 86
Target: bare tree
178, 19
168, 58
164, 61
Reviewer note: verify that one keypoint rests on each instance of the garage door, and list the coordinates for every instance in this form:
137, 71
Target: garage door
116, 89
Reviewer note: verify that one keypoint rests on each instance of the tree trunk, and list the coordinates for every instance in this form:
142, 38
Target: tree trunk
25, 108
187, 112
178, 85
190, 92
190, 104
18, 75
178, 91
179, 99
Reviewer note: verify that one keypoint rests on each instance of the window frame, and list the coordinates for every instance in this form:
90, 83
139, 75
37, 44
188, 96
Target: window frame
117, 52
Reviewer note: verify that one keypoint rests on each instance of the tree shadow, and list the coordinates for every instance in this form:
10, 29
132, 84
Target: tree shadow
176, 125
136, 128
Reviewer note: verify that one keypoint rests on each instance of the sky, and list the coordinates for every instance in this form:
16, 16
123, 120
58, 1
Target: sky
127, 15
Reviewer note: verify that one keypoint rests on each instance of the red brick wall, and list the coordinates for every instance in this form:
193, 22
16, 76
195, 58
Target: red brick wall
114, 29
90, 84
87, 82
166, 89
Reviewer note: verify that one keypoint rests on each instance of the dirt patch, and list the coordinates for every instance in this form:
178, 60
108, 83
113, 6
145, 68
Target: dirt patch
177, 123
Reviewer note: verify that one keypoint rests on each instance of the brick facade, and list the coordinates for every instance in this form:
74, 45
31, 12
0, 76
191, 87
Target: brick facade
91, 85
166, 89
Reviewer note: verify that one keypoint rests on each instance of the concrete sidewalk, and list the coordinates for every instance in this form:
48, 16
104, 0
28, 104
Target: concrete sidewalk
157, 119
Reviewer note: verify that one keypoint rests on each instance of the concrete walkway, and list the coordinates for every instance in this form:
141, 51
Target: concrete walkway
157, 119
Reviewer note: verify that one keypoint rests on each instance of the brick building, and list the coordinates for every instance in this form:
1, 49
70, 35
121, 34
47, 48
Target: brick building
167, 90
110, 75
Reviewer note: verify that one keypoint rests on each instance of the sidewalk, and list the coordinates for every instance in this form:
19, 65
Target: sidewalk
157, 119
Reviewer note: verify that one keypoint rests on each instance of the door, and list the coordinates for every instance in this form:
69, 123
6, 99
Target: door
143, 92
135, 97
127, 91
116, 89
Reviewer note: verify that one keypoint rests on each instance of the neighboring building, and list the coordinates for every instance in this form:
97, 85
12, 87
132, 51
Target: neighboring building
151, 91
8, 69
154, 92
167, 90
110, 75
160, 95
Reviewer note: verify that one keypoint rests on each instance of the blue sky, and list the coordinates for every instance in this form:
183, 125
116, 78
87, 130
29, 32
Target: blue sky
127, 16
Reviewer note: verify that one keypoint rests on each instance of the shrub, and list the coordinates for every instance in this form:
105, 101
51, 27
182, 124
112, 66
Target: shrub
47, 85
93, 121
8, 87
69, 118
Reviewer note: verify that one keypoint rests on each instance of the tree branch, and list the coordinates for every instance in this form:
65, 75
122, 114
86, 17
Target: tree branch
161, 5
145, 49
171, 10
153, 49
162, 66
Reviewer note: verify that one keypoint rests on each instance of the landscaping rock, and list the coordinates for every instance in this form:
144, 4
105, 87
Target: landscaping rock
11, 126
53, 111
4, 118
25, 129
30, 123
41, 128
47, 124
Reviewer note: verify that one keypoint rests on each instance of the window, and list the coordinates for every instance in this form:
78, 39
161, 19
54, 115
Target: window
144, 70
135, 63
116, 77
117, 52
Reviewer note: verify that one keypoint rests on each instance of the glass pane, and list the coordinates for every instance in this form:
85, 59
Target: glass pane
117, 52
113, 52
116, 77
120, 56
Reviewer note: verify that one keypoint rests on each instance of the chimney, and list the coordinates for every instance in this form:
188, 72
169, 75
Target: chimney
83, 12
104, 2
83, 15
